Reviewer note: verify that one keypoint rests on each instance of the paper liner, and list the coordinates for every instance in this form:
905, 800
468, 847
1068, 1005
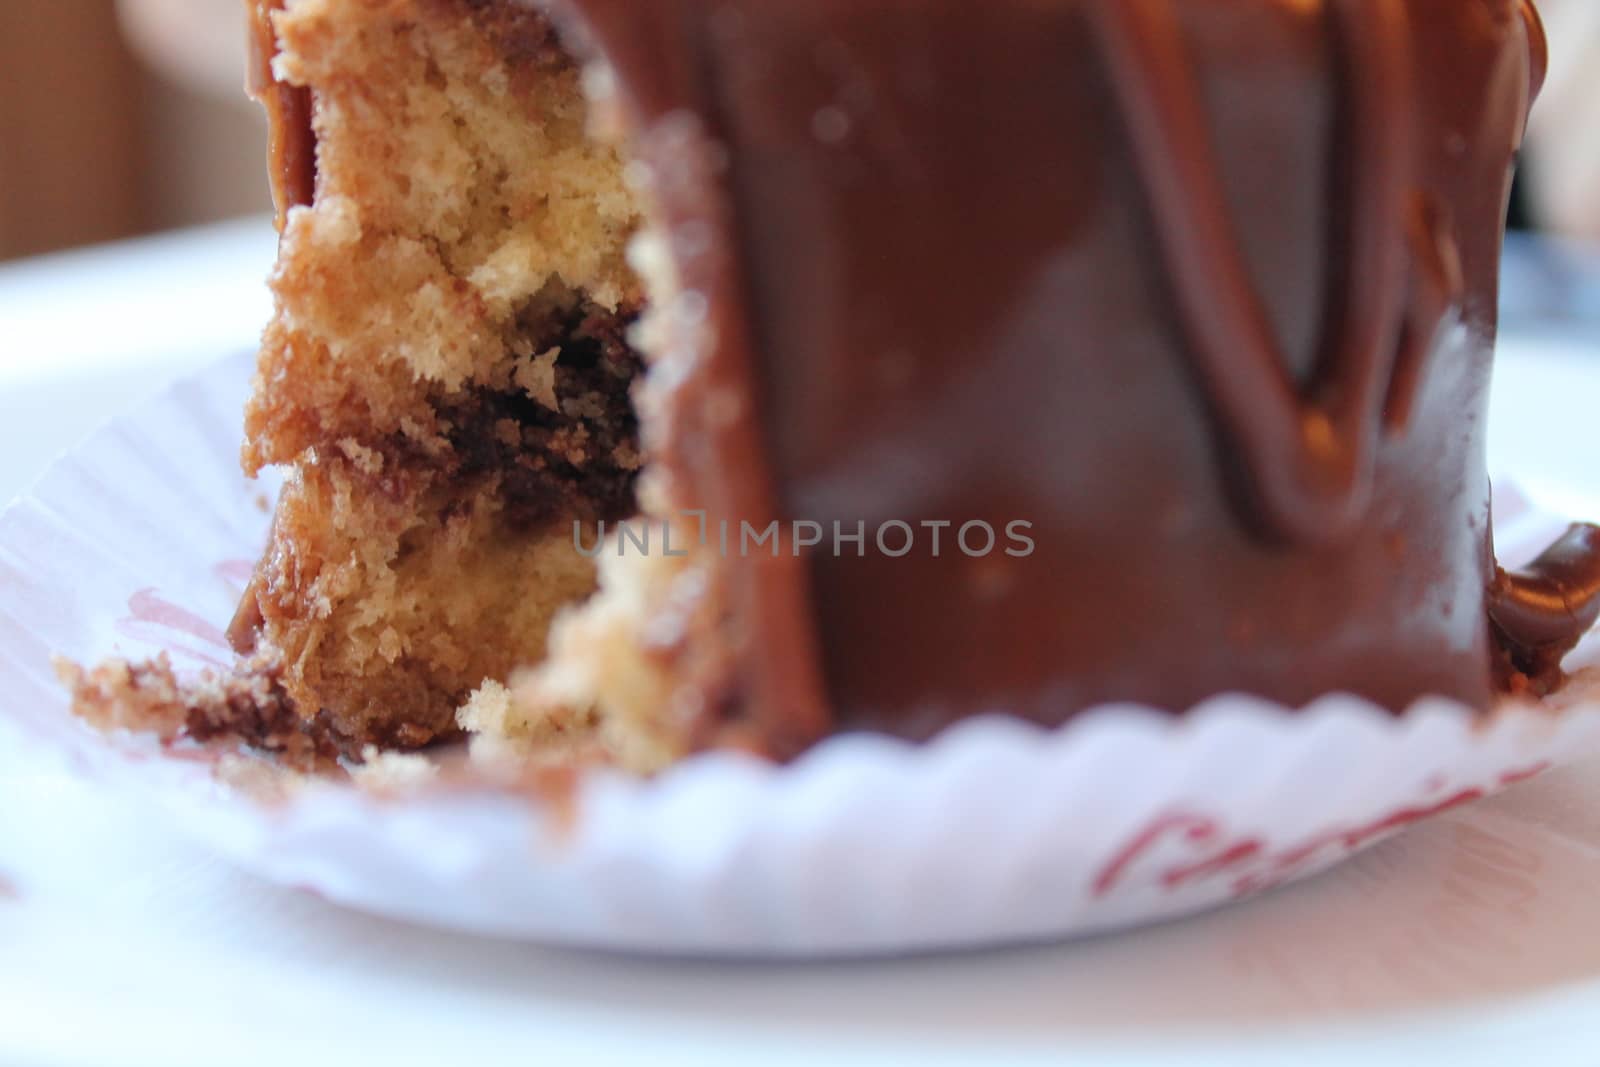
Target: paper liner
140, 540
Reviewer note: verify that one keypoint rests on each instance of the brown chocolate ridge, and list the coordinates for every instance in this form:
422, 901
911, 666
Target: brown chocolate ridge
1309, 452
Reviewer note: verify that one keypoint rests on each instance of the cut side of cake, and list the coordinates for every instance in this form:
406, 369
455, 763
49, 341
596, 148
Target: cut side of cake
1194, 301
448, 372
448, 380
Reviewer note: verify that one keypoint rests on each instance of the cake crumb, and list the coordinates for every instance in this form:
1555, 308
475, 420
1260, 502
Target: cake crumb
246, 706
507, 732
119, 695
537, 378
486, 710
486, 718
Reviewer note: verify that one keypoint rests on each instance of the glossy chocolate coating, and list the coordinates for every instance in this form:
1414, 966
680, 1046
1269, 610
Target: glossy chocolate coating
1538, 610
1206, 293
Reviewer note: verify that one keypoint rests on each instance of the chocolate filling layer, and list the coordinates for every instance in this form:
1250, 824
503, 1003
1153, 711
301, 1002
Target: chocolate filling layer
564, 440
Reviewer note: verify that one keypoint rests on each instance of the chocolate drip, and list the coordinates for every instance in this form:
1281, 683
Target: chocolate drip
1309, 459
1538, 49
292, 148
1541, 611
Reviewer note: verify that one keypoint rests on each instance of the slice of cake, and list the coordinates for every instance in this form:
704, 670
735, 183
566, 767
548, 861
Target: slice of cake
891, 363
448, 373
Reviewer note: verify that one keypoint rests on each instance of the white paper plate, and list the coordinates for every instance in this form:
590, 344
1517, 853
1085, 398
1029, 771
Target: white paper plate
139, 541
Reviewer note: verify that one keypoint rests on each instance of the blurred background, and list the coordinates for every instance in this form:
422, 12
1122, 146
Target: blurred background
125, 117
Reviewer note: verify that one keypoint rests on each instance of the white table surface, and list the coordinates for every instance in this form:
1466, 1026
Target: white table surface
121, 943
86, 334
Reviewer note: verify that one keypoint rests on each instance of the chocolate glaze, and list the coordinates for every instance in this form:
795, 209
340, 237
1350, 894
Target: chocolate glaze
1066, 263
292, 145
1540, 611
1206, 293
